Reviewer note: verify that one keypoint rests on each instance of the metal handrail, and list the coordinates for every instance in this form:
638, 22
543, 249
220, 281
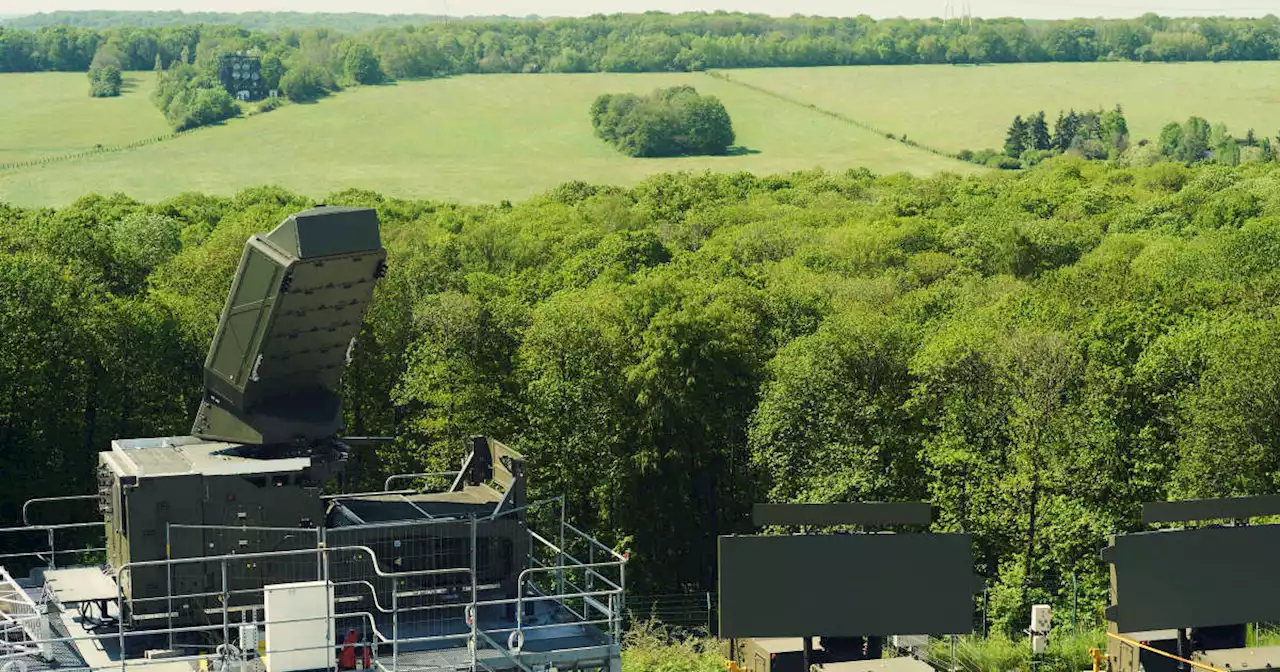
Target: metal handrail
603, 604
387, 484
37, 500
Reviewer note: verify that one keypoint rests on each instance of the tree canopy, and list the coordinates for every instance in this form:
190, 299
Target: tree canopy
1036, 353
673, 121
419, 46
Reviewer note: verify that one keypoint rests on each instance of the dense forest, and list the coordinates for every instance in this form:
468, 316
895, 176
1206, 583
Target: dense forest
1037, 353
662, 42
269, 21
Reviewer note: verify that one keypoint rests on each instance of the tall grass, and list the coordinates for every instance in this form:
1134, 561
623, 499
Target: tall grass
651, 647
1067, 652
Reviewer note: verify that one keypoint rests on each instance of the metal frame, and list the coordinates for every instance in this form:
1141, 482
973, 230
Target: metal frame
554, 577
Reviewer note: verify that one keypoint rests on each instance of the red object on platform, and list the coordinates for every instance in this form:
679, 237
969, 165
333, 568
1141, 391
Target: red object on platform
347, 659
365, 658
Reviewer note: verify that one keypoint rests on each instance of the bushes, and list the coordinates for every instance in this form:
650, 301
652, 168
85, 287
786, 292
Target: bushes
105, 81
190, 98
306, 83
360, 66
268, 105
650, 647
668, 122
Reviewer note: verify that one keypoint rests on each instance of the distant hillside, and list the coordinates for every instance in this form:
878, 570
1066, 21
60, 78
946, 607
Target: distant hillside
351, 22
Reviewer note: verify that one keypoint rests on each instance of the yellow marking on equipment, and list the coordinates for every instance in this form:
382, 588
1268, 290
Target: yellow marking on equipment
1140, 645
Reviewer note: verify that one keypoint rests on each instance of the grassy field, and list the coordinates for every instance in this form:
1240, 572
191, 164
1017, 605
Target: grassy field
954, 108
49, 114
467, 139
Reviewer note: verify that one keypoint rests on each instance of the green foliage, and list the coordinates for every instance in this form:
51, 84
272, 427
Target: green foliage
306, 83
360, 66
1197, 141
105, 81
650, 648
271, 70
1018, 139
1091, 135
420, 46
1036, 353
1067, 652
668, 122
190, 98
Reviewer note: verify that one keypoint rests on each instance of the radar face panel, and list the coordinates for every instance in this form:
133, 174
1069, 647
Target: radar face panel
846, 585
1194, 578
287, 330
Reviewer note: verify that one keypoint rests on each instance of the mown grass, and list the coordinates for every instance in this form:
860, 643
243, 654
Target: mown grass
954, 108
469, 139
51, 114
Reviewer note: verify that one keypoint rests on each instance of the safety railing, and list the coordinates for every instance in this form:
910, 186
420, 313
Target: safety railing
20, 620
49, 553
423, 476
575, 576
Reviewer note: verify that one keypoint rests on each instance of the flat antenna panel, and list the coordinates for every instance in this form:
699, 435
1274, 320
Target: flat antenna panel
1193, 578
1226, 508
287, 330
845, 585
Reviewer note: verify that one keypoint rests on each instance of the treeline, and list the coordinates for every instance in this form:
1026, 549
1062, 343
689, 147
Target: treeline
266, 21
1035, 353
664, 42
1104, 134
1092, 135
674, 121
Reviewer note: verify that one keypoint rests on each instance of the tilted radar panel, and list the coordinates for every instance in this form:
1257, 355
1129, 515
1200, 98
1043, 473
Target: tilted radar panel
286, 332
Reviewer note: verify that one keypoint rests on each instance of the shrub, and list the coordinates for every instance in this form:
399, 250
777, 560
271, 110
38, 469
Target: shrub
306, 83
650, 647
105, 81
360, 66
668, 122
190, 98
268, 104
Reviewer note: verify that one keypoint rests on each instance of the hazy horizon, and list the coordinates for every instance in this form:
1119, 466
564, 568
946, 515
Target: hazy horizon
1030, 9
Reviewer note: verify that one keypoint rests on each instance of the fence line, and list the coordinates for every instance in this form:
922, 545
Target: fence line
98, 149
834, 115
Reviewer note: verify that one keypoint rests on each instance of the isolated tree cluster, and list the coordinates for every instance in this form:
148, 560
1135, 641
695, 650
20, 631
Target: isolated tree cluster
674, 121
191, 97
105, 78
1104, 134
1092, 135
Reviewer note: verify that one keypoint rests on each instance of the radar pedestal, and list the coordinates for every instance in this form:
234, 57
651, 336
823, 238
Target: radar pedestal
265, 441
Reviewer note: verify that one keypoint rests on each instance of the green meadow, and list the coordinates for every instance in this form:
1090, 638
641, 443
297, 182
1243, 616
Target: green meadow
969, 107
468, 139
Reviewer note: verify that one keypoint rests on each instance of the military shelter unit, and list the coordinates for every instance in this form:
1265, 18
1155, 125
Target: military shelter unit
251, 510
1191, 591
827, 654
851, 590
241, 75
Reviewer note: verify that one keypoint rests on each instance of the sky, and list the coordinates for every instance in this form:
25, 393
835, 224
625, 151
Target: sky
876, 8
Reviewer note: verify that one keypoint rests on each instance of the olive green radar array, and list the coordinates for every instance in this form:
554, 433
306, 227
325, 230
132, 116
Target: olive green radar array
288, 328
